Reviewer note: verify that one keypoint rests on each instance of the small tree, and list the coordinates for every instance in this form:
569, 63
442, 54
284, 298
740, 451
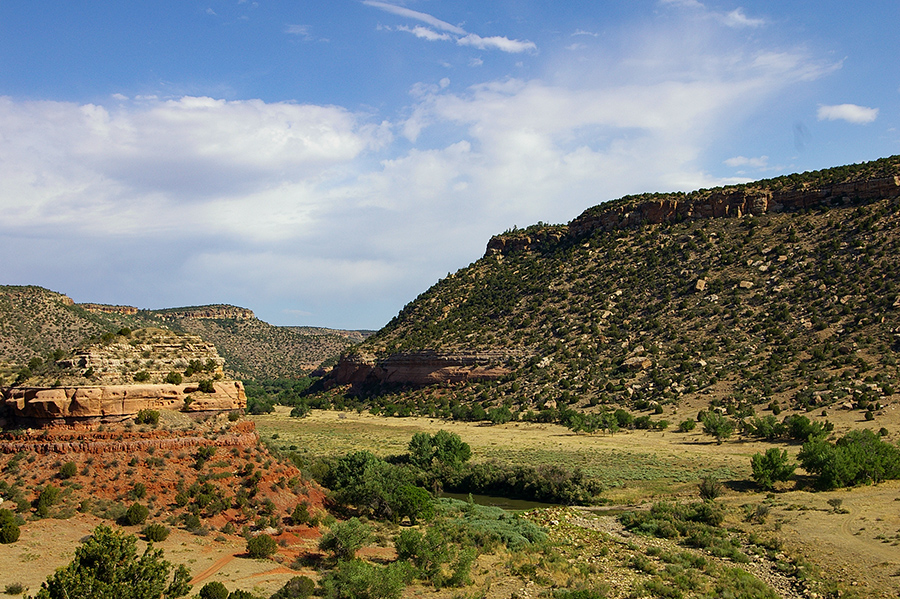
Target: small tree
68, 470
174, 378
346, 538
155, 533
770, 467
718, 426
298, 587
710, 488
136, 514
107, 565
214, 590
261, 546
9, 527
46, 498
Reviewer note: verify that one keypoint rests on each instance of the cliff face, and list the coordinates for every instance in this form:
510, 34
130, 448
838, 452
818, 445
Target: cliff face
420, 368
46, 406
725, 203
218, 311
108, 309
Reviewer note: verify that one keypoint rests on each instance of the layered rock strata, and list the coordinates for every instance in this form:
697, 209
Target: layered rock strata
60, 405
734, 202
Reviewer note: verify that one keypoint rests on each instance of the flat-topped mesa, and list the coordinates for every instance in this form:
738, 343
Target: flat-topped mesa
420, 368
47, 406
735, 202
109, 309
217, 311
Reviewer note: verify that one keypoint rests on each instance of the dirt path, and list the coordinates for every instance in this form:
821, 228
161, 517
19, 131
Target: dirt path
217, 565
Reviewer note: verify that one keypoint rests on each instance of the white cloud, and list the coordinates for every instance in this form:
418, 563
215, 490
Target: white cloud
761, 162
737, 18
858, 115
460, 35
497, 42
418, 16
425, 33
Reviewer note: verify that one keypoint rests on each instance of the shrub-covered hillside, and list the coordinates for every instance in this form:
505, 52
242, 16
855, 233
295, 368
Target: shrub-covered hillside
793, 306
40, 325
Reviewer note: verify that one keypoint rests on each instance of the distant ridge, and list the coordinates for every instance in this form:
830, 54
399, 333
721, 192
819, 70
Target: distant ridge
35, 322
783, 290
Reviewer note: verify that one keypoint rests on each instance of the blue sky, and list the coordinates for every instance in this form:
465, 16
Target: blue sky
322, 163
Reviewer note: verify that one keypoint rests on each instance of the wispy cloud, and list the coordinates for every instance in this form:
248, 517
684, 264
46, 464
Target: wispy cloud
734, 19
762, 162
416, 15
858, 115
453, 32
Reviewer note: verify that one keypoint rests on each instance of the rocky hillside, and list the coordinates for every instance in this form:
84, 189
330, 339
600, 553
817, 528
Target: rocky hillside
780, 290
39, 323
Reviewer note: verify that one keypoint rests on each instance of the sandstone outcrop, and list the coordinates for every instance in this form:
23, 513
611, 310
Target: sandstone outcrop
670, 208
217, 311
45, 406
420, 368
109, 309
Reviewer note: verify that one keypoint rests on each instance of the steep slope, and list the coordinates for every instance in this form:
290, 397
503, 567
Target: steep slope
783, 289
36, 322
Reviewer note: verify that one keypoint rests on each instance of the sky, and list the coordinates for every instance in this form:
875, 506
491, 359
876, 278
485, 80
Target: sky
323, 162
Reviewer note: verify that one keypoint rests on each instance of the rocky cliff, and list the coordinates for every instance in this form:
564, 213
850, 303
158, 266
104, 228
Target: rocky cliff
420, 368
728, 202
61, 405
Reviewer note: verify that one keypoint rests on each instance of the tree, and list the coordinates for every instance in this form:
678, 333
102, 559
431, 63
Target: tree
770, 467
214, 590
356, 579
136, 514
261, 546
718, 426
298, 587
9, 527
106, 566
346, 538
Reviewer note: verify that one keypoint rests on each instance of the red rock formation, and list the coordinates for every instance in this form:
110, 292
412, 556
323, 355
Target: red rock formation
117, 402
108, 309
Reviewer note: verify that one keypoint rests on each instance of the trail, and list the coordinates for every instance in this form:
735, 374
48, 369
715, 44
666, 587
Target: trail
215, 567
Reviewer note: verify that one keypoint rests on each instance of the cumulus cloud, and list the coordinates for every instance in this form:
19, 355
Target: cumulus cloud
453, 32
324, 210
852, 113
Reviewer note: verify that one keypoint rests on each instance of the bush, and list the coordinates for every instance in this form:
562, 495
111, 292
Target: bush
770, 467
174, 378
9, 527
718, 426
155, 533
356, 579
346, 538
859, 457
686, 426
298, 587
68, 470
107, 565
141, 377
214, 590
147, 417
15, 588
710, 488
261, 546
136, 514
206, 386
48, 496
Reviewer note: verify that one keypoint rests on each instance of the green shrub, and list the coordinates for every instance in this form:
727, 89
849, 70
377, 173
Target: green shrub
859, 457
136, 514
141, 377
214, 590
48, 496
206, 386
155, 533
107, 565
346, 538
355, 579
147, 417
261, 546
770, 467
298, 587
710, 488
718, 426
174, 378
686, 426
15, 588
68, 470
9, 527
138, 491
